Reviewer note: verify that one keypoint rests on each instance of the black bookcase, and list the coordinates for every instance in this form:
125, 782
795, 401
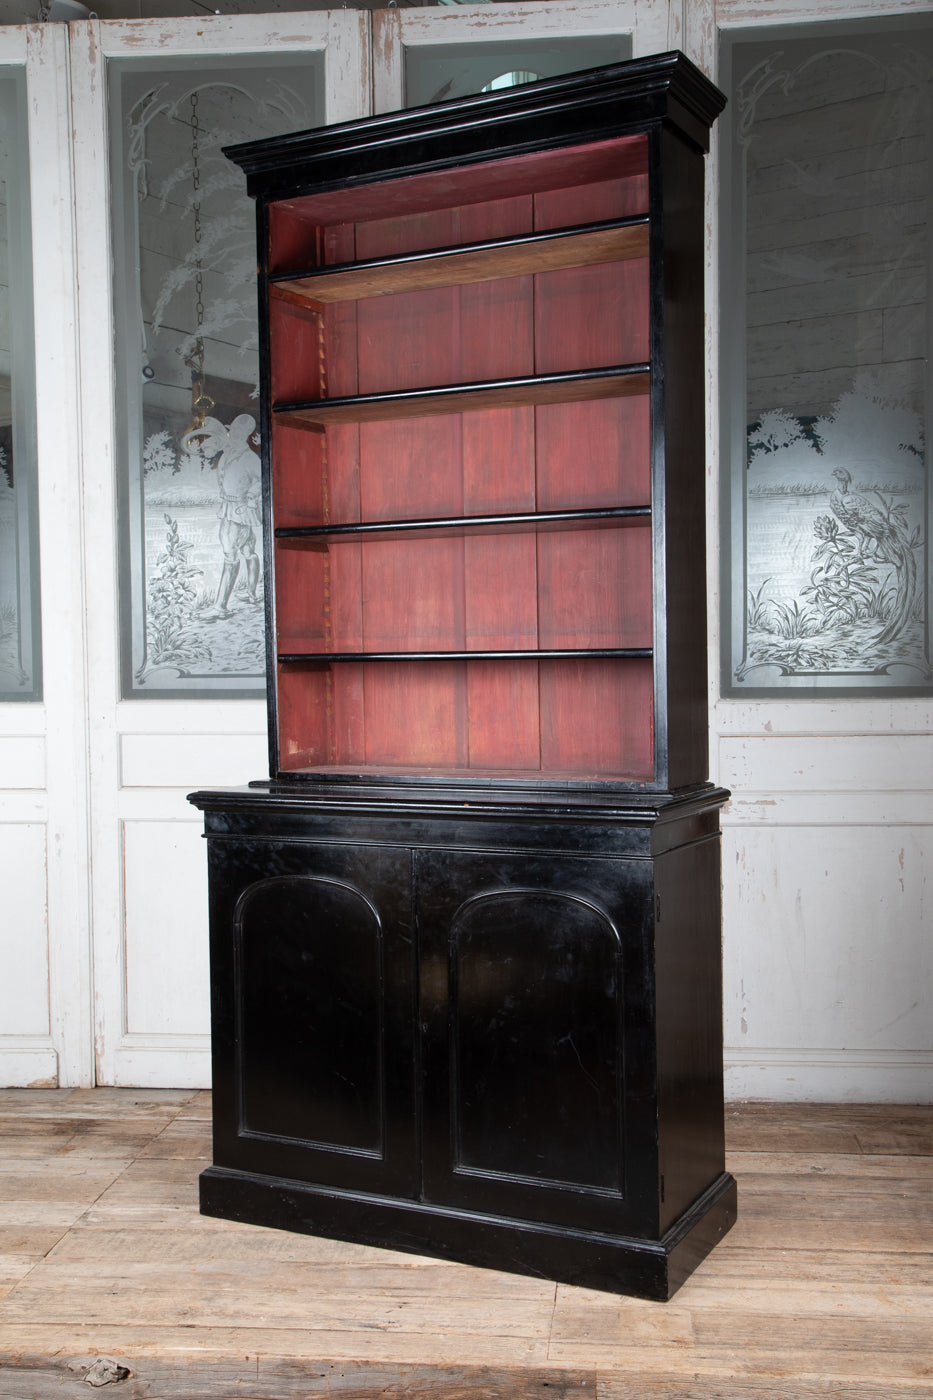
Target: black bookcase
465, 940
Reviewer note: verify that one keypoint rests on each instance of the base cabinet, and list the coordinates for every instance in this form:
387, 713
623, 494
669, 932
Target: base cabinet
485, 1038
312, 1016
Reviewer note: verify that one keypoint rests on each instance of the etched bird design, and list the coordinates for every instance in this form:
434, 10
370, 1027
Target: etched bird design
881, 535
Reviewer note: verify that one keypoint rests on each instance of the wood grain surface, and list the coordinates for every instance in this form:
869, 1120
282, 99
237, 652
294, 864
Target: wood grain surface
823, 1288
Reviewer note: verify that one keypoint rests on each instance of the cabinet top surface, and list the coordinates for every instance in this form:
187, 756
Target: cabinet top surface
621, 806
592, 105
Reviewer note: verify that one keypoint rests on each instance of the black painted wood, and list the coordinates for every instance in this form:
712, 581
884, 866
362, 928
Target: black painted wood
562, 111
474, 1016
467, 525
548, 1027
614, 1263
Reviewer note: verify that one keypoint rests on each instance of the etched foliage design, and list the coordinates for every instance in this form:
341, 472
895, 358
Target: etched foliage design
194, 526
835, 145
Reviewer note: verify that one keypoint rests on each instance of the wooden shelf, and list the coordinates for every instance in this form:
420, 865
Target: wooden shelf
552, 251
545, 522
613, 381
326, 658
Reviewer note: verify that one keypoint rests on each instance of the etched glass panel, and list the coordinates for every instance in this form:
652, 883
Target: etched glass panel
825, 287
187, 363
20, 655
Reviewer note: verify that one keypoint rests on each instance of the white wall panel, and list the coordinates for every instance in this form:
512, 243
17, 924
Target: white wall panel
24, 947
829, 1076
165, 892
192, 760
833, 947
22, 761
27, 1053
46, 1031
839, 763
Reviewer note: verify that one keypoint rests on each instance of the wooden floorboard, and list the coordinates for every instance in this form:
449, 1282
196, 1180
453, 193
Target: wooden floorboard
824, 1288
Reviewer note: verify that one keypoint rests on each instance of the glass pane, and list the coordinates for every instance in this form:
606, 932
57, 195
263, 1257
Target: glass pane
187, 356
19, 556
436, 72
825, 284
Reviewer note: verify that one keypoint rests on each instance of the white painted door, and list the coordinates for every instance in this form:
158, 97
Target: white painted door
45, 965
148, 883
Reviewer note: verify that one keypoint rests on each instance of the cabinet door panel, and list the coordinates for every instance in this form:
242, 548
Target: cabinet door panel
312, 1013
312, 1065
558, 1032
536, 1064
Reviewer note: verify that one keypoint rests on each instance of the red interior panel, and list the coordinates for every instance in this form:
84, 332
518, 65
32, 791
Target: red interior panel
569, 589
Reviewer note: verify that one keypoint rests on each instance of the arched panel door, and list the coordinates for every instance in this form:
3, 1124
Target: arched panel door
313, 1012
531, 972
535, 1038
311, 1062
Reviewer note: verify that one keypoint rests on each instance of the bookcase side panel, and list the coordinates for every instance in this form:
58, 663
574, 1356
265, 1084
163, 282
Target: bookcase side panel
682, 328
302, 586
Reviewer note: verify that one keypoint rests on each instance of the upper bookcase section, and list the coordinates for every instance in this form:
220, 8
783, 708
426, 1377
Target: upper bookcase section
598, 105
482, 361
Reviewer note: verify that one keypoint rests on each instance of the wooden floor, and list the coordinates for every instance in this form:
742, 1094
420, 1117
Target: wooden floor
824, 1288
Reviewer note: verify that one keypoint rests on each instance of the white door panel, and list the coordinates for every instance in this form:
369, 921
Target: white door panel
828, 993
192, 760
149, 865
45, 1027
166, 975
22, 756
27, 1052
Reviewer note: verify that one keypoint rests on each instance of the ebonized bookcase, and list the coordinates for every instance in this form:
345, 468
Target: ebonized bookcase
465, 941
